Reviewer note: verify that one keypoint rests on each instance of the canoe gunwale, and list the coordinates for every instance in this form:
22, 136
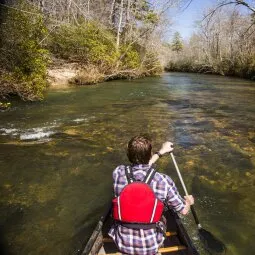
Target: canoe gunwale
183, 235
96, 233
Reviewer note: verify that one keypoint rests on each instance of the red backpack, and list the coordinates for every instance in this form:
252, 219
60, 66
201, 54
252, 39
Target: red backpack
137, 205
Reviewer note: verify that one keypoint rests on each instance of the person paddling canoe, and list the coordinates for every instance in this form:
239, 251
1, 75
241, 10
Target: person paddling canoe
140, 195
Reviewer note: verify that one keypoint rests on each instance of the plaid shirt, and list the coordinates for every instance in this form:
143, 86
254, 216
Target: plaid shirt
144, 242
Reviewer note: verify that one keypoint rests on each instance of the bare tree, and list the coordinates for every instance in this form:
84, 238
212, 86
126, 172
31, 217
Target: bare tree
233, 2
119, 24
224, 43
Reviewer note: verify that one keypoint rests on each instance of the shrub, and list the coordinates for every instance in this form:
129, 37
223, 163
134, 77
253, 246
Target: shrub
130, 58
87, 43
89, 74
22, 56
151, 64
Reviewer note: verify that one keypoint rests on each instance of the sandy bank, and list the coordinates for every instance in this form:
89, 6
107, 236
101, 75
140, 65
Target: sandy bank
59, 75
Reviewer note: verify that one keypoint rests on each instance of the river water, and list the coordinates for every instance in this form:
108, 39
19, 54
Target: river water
57, 156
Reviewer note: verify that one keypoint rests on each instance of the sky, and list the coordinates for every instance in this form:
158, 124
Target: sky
184, 21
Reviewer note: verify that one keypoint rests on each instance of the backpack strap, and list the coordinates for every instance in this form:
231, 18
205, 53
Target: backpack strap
149, 176
129, 174
147, 179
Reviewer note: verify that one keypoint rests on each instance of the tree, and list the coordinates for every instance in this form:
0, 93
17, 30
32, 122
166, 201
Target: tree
177, 44
114, 36
222, 4
223, 44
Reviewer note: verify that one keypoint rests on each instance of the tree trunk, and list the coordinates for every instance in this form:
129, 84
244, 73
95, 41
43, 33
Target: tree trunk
119, 25
112, 12
42, 5
88, 6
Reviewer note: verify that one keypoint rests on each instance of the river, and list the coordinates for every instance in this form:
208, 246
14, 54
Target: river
57, 156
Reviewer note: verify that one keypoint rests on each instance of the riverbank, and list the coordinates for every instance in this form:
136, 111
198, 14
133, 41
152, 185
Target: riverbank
208, 69
36, 53
62, 74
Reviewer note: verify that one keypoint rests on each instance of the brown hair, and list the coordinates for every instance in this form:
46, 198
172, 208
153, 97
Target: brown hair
139, 150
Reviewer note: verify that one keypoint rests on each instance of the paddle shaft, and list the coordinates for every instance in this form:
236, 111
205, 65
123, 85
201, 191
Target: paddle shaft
185, 190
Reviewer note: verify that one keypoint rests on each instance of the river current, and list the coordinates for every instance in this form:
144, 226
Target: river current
57, 156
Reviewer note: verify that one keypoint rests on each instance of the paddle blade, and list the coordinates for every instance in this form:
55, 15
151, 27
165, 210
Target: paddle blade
211, 243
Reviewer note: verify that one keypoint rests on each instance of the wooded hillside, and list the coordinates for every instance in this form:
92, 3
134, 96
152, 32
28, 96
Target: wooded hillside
223, 44
110, 39
117, 39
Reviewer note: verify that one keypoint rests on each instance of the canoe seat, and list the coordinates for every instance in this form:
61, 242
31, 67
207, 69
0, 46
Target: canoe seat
161, 250
172, 249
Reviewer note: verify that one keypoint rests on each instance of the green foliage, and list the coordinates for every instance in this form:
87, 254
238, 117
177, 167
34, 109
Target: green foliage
145, 6
146, 14
177, 44
25, 44
22, 55
131, 58
151, 64
87, 43
151, 17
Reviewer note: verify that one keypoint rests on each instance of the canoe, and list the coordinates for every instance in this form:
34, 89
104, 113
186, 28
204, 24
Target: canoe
177, 241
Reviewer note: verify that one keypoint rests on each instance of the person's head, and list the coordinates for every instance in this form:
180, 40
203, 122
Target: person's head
139, 150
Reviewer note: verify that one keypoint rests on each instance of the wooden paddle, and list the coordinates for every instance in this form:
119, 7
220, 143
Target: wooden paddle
211, 243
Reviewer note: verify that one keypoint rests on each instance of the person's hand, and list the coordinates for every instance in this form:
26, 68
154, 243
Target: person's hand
166, 147
189, 199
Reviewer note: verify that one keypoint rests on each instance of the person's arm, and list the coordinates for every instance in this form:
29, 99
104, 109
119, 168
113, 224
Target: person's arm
118, 180
189, 200
166, 147
175, 201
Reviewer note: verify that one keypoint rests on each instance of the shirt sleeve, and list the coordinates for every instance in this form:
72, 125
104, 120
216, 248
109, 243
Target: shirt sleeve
174, 200
118, 180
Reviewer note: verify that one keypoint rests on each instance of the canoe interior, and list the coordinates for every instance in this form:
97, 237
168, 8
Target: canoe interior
177, 238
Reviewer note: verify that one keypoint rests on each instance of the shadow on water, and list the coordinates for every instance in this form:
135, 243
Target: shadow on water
85, 227
3, 243
14, 217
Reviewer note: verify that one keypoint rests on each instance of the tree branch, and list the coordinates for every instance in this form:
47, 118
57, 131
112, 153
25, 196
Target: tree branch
224, 3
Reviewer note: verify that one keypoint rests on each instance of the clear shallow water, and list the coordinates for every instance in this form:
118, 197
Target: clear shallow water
56, 157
